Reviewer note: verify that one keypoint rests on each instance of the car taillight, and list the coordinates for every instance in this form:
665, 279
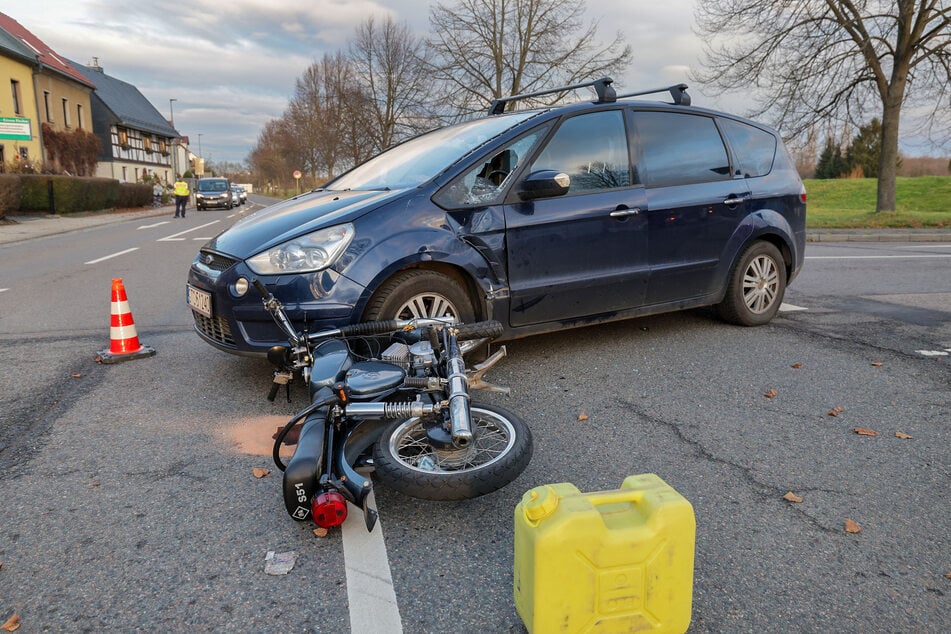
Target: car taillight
329, 509
802, 194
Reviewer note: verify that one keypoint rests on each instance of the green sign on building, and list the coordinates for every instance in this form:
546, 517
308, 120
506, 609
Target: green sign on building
17, 128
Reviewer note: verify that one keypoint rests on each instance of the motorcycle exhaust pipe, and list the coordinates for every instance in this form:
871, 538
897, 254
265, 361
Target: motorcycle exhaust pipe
459, 403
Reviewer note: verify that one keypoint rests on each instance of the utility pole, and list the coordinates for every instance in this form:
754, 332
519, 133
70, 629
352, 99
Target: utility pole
175, 141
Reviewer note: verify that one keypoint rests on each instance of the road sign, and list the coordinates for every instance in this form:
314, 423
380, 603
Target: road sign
297, 174
15, 128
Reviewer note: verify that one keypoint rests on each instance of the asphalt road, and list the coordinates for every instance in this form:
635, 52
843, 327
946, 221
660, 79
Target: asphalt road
128, 499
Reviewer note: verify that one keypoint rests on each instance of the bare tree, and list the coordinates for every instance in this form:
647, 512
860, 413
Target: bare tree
314, 114
812, 60
391, 63
271, 159
493, 48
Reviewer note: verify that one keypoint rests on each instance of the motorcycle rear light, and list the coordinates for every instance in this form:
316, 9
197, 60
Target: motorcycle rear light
329, 509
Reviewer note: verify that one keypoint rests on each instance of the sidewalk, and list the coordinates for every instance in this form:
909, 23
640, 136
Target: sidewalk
878, 235
20, 227
26, 227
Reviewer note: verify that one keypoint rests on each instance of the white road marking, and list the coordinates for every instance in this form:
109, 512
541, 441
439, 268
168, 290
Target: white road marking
152, 226
174, 237
790, 308
114, 255
877, 257
370, 591
928, 246
933, 353
4, 289
204, 239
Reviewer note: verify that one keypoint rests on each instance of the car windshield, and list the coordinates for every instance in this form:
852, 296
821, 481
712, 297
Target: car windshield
416, 161
212, 186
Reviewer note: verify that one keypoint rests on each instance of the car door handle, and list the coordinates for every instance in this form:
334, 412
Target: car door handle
624, 212
734, 200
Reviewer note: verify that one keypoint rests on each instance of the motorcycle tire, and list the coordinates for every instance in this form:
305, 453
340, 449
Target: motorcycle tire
500, 451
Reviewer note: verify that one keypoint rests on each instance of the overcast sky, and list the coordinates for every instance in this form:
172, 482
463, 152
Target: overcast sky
231, 64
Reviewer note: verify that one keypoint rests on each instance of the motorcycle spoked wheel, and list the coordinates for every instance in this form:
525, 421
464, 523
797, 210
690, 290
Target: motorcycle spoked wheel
500, 451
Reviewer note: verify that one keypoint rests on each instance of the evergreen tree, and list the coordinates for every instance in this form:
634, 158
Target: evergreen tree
831, 164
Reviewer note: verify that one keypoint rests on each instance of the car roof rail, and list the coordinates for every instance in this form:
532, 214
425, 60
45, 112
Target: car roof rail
678, 92
606, 94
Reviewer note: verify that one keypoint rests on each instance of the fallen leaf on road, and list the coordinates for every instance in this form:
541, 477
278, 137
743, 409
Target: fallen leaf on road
852, 527
861, 431
321, 532
792, 497
94, 484
898, 434
260, 472
797, 365
877, 364
76, 376
582, 416
948, 576
12, 624
771, 393
835, 411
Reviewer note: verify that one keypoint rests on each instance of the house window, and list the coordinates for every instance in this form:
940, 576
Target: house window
65, 112
125, 173
15, 88
79, 116
163, 147
147, 142
123, 138
46, 106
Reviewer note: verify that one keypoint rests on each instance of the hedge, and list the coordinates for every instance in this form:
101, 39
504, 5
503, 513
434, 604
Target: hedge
70, 194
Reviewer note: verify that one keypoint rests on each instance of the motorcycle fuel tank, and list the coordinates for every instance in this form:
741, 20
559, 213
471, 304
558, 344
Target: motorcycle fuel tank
368, 378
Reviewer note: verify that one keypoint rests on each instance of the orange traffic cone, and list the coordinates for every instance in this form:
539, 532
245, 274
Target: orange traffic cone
123, 341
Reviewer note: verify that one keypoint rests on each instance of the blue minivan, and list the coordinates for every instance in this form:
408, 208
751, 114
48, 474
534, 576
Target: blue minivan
542, 219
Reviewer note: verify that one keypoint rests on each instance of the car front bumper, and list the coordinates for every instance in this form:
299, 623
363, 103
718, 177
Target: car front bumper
240, 324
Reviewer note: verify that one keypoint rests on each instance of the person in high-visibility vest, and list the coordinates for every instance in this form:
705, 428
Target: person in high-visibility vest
182, 193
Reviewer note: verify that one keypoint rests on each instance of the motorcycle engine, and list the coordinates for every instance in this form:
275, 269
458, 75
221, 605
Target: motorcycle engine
418, 356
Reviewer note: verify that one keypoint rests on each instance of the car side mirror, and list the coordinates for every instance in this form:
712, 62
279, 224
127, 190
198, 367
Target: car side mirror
544, 184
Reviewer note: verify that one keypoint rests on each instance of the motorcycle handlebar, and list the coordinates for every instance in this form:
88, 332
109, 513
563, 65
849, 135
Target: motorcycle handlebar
479, 330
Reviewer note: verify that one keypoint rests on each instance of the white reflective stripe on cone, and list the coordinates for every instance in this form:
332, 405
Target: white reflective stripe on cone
121, 308
122, 332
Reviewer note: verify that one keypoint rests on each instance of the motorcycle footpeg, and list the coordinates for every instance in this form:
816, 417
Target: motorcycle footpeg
369, 515
474, 376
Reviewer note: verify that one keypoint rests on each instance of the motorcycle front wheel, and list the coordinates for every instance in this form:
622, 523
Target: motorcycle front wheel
500, 451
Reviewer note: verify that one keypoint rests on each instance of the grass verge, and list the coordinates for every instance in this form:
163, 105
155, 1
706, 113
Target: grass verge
849, 203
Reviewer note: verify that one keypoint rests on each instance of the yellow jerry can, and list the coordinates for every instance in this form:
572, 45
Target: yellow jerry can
609, 561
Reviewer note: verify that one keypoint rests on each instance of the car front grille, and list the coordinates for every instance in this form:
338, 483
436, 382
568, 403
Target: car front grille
215, 328
215, 261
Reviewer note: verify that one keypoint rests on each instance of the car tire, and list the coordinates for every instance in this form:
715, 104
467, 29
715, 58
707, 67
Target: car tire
756, 286
420, 293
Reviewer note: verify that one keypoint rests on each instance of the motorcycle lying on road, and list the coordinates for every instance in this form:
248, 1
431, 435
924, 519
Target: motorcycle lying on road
403, 409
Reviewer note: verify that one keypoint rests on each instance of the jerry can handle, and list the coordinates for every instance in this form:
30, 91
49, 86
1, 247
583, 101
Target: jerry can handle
620, 496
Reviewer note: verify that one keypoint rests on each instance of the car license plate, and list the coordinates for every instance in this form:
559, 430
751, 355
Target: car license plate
199, 300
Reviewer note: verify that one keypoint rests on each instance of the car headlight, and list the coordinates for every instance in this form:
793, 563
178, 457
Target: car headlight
312, 252
199, 195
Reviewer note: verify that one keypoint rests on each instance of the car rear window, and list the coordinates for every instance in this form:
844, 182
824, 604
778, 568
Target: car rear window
754, 148
680, 148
